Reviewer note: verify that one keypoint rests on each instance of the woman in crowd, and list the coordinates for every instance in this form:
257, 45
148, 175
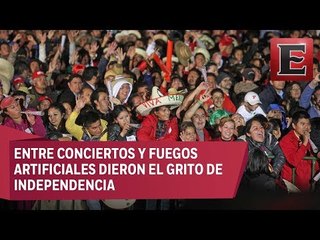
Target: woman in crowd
198, 115
257, 176
28, 123
56, 129
256, 136
122, 129
188, 132
14, 118
292, 96
226, 129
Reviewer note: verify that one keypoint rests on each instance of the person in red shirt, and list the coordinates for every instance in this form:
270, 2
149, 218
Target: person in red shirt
295, 146
224, 82
159, 124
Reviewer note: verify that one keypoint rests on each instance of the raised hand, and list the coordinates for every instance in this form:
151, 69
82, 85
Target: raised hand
120, 55
79, 104
50, 34
31, 118
111, 49
202, 86
72, 35
74, 57
17, 37
42, 38
131, 52
206, 96
125, 129
30, 38
106, 38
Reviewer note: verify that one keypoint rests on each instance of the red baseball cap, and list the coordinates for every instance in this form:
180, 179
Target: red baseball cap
77, 68
18, 80
37, 74
6, 102
226, 40
42, 98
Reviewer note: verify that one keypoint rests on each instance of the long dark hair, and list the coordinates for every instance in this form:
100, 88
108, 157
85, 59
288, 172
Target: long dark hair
116, 111
258, 163
62, 110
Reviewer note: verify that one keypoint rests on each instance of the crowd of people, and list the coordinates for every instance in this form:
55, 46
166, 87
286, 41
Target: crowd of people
164, 85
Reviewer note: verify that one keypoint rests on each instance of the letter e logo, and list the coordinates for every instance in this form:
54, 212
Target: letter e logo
291, 59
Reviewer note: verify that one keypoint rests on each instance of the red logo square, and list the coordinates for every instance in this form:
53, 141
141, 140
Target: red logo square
291, 59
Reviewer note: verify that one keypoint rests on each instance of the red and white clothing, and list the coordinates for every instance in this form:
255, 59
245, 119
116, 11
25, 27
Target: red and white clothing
294, 152
148, 129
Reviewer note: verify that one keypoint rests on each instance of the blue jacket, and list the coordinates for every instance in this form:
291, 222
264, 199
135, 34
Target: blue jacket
305, 102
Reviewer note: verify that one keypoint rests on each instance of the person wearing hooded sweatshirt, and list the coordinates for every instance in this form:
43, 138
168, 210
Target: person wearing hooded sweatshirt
121, 89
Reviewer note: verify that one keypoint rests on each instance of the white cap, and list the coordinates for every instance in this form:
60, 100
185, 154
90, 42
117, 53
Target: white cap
252, 98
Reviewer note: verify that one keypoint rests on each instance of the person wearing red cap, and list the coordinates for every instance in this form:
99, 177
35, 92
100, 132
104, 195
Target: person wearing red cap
44, 103
78, 69
18, 82
23, 122
225, 45
40, 88
27, 123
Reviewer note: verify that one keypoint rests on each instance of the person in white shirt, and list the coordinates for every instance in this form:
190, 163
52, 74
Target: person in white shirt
251, 106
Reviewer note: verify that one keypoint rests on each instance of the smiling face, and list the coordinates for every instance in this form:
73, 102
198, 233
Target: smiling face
227, 130
218, 99
190, 134
226, 83
55, 116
